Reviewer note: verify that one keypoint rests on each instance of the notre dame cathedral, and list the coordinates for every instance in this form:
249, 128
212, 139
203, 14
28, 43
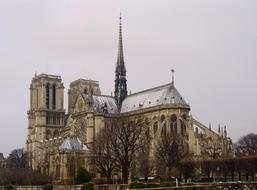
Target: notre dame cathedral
58, 143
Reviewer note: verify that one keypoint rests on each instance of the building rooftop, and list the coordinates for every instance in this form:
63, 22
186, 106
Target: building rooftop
72, 143
106, 104
2, 156
161, 95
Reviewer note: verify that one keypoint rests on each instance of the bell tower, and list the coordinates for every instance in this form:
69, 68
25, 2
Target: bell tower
120, 92
46, 113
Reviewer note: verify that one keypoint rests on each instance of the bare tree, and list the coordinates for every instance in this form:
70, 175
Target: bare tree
170, 149
247, 145
18, 172
104, 159
145, 161
17, 159
126, 141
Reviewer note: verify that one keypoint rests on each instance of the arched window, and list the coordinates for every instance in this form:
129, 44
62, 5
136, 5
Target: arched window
155, 127
162, 118
54, 96
173, 123
164, 129
182, 127
47, 95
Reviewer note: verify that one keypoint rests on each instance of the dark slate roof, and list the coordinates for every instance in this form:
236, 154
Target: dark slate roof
1, 156
107, 103
162, 95
72, 143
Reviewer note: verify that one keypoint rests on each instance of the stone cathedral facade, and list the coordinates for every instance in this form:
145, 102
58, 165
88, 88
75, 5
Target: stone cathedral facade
58, 143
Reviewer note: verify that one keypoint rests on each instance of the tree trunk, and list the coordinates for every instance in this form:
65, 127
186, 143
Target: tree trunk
232, 175
109, 179
239, 176
146, 178
125, 175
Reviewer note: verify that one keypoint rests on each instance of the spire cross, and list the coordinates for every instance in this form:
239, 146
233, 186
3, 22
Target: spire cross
172, 71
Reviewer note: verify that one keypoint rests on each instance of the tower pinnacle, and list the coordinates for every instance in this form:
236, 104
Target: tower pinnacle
172, 71
120, 71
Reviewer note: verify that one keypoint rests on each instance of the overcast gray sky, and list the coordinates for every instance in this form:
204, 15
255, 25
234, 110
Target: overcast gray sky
211, 44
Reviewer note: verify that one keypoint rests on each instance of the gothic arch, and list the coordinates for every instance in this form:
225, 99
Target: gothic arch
183, 126
155, 125
162, 118
173, 123
163, 124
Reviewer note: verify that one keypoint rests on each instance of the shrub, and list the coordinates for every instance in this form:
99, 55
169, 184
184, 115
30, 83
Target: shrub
152, 185
8, 187
87, 186
48, 187
168, 184
136, 185
187, 184
83, 176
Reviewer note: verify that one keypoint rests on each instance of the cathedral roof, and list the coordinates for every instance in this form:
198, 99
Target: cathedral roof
72, 143
105, 103
1, 156
162, 95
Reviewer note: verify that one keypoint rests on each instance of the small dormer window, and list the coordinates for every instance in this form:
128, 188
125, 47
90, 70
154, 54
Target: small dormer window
173, 100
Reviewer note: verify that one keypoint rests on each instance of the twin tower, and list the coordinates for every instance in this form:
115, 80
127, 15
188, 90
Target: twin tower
47, 115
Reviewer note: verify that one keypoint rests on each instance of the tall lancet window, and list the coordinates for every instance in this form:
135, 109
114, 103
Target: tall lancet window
54, 97
47, 95
173, 123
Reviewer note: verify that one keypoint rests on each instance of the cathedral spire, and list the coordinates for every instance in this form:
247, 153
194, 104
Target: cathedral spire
120, 72
120, 66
